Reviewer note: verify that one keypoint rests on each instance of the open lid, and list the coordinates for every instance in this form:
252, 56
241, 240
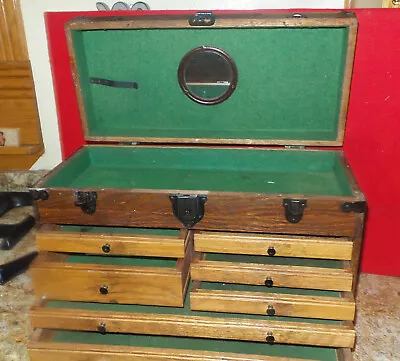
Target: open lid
259, 78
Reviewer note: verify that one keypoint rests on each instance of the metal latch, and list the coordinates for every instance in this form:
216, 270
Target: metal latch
294, 209
86, 200
39, 194
357, 207
189, 209
202, 19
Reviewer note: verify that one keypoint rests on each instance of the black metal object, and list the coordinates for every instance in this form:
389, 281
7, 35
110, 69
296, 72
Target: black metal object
271, 251
39, 194
86, 200
10, 200
103, 290
106, 248
202, 19
270, 338
357, 207
10, 234
11, 269
115, 83
189, 209
294, 209
269, 282
102, 328
270, 310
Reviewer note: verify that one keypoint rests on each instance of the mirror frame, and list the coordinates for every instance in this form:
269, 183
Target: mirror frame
213, 50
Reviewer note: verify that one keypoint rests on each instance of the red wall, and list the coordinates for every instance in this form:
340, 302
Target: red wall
373, 125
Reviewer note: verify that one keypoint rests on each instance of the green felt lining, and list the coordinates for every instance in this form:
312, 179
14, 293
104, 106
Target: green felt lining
186, 343
266, 260
262, 289
122, 230
184, 311
289, 83
224, 170
123, 261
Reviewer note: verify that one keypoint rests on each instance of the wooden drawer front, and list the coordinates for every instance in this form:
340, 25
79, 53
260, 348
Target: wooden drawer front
272, 304
113, 241
272, 275
274, 245
59, 280
225, 328
68, 346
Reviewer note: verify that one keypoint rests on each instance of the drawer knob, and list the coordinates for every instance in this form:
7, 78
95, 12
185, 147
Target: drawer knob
102, 328
103, 290
106, 248
270, 338
271, 251
269, 282
270, 310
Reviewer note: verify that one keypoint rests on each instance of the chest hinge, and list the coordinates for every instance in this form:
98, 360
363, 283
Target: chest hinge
356, 207
189, 209
294, 209
86, 200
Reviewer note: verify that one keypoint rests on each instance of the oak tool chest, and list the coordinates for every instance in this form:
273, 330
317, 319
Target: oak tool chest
216, 218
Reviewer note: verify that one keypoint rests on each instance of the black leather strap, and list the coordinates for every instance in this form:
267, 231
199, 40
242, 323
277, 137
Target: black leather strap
14, 268
114, 83
10, 234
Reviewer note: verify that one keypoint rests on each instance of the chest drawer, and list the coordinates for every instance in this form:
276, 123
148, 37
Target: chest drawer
272, 272
231, 298
182, 322
48, 345
339, 248
131, 280
111, 241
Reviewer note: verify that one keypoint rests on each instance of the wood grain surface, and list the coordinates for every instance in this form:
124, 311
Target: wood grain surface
55, 240
54, 279
284, 246
298, 333
282, 276
248, 212
331, 308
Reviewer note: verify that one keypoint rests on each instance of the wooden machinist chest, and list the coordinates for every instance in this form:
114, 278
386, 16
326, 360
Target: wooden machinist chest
212, 215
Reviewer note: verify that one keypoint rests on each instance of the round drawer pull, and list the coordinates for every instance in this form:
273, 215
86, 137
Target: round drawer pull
102, 328
103, 290
271, 251
270, 310
269, 282
106, 248
270, 338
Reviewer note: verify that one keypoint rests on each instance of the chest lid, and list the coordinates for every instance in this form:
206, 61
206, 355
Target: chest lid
259, 78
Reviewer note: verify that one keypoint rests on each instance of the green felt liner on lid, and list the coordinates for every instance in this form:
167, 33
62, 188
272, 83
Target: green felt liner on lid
292, 80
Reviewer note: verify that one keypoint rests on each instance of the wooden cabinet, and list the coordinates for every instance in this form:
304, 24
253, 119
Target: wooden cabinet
18, 108
273, 235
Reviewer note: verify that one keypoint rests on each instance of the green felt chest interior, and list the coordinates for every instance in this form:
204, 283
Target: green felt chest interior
289, 82
224, 170
186, 343
123, 230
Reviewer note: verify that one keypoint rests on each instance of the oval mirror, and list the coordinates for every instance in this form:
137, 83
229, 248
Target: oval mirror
207, 75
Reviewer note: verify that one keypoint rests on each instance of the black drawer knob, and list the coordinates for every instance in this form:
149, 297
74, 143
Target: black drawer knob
103, 290
269, 282
271, 251
106, 248
102, 328
270, 310
270, 338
